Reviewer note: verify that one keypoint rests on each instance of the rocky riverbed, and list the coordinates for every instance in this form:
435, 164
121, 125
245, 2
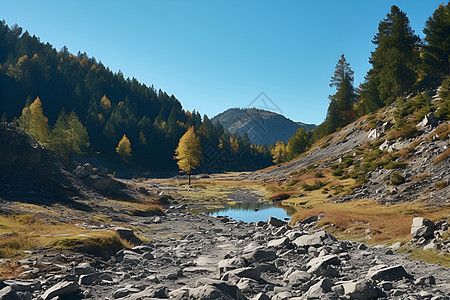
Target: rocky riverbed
196, 256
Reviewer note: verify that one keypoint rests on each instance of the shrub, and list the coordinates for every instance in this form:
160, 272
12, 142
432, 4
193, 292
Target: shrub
318, 174
317, 185
397, 178
337, 172
280, 197
440, 185
395, 165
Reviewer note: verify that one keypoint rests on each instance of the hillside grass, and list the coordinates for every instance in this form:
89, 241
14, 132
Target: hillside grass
19, 233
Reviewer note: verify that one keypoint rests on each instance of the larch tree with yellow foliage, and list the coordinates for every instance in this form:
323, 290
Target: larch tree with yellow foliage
189, 152
33, 122
124, 148
279, 152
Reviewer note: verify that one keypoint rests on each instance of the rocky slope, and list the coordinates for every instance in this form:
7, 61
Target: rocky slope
218, 258
261, 126
413, 158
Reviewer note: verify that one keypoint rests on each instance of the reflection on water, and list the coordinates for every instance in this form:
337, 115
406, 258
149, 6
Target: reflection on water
254, 212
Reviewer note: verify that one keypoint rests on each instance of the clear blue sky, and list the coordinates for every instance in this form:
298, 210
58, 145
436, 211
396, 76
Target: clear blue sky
213, 55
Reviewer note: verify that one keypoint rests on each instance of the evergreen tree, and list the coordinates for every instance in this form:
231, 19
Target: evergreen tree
69, 135
124, 148
297, 144
341, 103
395, 58
189, 152
78, 135
437, 38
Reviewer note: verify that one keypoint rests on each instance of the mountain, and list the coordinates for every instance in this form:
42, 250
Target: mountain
261, 126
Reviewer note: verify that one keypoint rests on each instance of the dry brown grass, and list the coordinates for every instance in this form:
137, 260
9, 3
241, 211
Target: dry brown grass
26, 232
442, 156
388, 223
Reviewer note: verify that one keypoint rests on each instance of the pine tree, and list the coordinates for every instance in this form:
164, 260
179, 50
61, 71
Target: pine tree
189, 152
437, 38
78, 135
341, 103
297, 144
59, 135
124, 148
395, 58
69, 135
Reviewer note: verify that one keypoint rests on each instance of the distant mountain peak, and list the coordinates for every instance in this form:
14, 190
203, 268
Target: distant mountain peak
262, 126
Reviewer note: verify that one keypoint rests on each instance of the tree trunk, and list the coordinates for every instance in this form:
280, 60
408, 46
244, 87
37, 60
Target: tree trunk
189, 176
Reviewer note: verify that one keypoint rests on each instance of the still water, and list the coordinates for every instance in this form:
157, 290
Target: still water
254, 212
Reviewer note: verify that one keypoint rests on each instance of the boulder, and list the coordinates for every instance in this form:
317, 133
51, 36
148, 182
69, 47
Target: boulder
207, 292
317, 290
83, 268
298, 277
429, 120
276, 222
312, 240
128, 234
7, 293
230, 264
278, 243
88, 279
422, 227
384, 272
63, 288
363, 290
248, 272
260, 254
229, 289
21, 285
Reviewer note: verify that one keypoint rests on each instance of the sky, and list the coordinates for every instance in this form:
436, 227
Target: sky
214, 55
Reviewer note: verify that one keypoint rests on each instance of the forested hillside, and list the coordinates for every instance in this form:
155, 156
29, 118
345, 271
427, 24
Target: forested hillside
105, 106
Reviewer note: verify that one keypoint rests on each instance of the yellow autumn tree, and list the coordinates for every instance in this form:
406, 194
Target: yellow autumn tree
234, 145
279, 152
33, 122
189, 152
105, 103
124, 148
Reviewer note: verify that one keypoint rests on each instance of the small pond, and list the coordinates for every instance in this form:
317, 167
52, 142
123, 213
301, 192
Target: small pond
255, 212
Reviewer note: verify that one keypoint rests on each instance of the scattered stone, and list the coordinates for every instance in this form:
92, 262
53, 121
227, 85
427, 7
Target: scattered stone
276, 222
362, 289
422, 227
7, 293
62, 288
383, 272
128, 234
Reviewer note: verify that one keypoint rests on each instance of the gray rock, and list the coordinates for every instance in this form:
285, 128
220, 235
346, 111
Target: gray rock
207, 292
179, 294
128, 234
21, 285
362, 289
279, 243
422, 227
248, 272
317, 290
230, 264
396, 245
383, 272
321, 265
7, 293
123, 292
429, 120
261, 296
311, 240
63, 288
260, 254
276, 222
298, 277
83, 268
228, 289
285, 295
425, 281
88, 279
